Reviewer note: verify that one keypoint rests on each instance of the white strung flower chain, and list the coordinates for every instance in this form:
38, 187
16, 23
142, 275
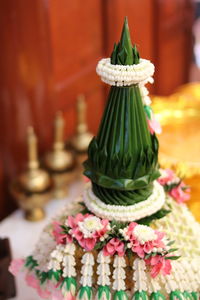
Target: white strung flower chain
119, 274
103, 269
120, 213
69, 262
120, 75
139, 275
87, 269
62, 257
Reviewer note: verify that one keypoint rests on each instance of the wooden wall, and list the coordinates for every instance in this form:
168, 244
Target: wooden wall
48, 53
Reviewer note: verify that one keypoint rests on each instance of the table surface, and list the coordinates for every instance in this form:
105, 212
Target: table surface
23, 235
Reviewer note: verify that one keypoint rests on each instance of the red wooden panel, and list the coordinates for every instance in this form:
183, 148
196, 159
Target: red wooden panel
140, 17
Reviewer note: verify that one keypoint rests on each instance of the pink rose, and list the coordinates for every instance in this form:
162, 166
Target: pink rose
158, 265
15, 266
141, 249
32, 281
114, 246
87, 237
60, 237
180, 193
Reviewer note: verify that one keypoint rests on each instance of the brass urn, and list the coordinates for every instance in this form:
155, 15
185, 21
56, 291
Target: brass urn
60, 161
32, 188
82, 137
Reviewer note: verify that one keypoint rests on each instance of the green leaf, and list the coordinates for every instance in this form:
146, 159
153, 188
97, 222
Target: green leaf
172, 257
157, 296
172, 250
170, 243
140, 295
85, 290
120, 295
103, 290
30, 263
158, 215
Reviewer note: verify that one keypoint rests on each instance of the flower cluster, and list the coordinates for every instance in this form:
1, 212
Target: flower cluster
120, 75
91, 232
87, 229
174, 186
143, 239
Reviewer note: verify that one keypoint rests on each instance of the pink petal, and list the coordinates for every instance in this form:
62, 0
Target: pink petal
32, 281
71, 222
43, 293
89, 244
15, 266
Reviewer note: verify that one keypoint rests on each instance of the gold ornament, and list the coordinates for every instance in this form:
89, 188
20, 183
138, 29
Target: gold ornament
32, 189
82, 138
60, 161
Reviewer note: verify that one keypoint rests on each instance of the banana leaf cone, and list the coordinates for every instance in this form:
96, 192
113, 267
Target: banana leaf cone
122, 158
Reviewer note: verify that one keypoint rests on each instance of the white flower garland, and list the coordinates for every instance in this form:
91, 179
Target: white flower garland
119, 274
120, 75
69, 262
63, 256
87, 269
139, 275
103, 269
120, 213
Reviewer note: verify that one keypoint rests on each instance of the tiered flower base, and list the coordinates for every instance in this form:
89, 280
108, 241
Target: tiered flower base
82, 256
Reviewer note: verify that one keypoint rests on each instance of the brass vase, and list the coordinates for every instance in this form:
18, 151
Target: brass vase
59, 161
32, 188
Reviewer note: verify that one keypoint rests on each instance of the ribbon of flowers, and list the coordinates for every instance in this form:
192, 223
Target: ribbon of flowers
174, 186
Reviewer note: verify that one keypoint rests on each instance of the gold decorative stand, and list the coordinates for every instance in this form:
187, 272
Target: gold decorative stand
82, 137
60, 161
32, 189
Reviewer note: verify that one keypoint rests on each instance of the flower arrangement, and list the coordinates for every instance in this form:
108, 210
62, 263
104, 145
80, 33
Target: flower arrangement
93, 233
174, 186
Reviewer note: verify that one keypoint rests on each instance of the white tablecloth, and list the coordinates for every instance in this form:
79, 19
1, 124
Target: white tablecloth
23, 235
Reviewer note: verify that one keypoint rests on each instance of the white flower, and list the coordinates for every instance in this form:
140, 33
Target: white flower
144, 233
89, 226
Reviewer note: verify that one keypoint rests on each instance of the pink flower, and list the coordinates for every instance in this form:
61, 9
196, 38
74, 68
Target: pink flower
32, 281
138, 235
43, 293
158, 265
154, 125
60, 237
87, 229
15, 266
180, 193
167, 176
56, 295
113, 246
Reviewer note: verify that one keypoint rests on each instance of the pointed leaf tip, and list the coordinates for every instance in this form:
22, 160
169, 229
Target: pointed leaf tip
124, 53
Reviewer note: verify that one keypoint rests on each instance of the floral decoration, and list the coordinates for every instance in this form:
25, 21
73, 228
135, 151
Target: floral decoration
87, 229
92, 232
174, 186
159, 264
114, 246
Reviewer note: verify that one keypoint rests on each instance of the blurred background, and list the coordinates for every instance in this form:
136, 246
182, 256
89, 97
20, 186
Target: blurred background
48, 53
